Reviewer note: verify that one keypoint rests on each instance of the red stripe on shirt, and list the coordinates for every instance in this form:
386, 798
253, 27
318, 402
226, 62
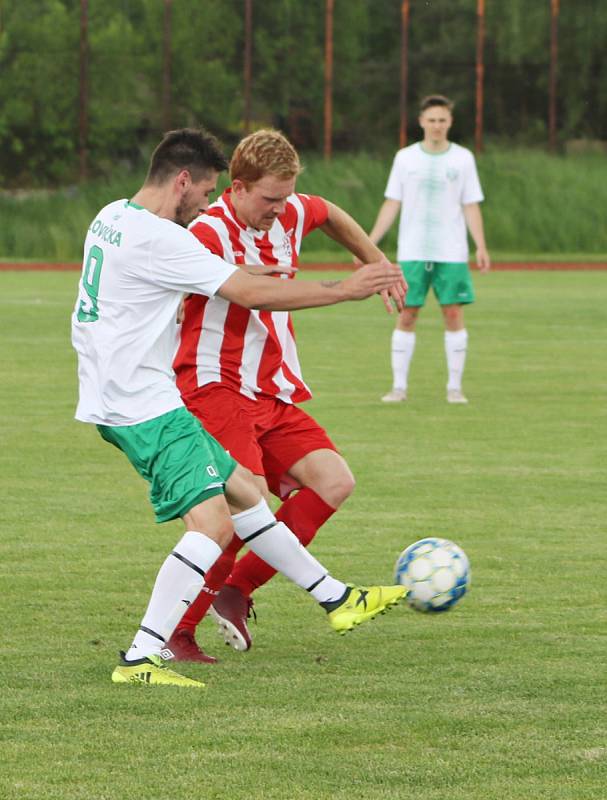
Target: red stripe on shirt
264, 347
186, 358
230, 356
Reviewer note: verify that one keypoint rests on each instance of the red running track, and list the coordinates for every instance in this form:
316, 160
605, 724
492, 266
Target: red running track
499, 266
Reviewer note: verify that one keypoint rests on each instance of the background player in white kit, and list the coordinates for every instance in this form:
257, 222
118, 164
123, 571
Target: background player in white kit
435, 186
138, 263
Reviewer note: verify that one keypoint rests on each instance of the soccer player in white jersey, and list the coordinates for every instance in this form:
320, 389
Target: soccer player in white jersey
435, 187
139, 261
239, 373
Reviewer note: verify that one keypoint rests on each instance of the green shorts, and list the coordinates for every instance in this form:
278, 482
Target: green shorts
183, 464
451, 282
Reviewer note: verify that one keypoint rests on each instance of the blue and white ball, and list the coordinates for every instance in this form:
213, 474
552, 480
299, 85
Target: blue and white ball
436, 573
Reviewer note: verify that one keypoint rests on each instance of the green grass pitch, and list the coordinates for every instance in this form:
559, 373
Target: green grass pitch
500, 699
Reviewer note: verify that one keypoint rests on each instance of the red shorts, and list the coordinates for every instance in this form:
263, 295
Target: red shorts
266, 435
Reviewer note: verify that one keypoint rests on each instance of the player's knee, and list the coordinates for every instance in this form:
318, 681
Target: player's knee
345, 488
224, 532
336, 489
407, 319
453, 316
243, 490
212, 522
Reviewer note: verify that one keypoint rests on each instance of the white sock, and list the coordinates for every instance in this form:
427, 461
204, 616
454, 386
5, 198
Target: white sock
275, 544
456, 344
403, 345
178, 583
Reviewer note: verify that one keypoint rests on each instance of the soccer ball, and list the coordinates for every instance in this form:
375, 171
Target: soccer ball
435, 571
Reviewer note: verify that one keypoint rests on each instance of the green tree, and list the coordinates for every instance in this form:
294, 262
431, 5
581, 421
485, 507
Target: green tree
38, 90
207, 77
39, 74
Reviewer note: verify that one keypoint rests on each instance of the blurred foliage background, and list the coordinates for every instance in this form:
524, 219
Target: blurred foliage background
39, 75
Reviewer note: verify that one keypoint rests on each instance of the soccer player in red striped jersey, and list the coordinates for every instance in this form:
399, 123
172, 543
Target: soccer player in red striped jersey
238, 371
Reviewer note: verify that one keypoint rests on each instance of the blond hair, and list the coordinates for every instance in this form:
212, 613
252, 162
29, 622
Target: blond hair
265, 152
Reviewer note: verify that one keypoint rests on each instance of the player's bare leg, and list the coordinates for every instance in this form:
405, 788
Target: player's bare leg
327, 473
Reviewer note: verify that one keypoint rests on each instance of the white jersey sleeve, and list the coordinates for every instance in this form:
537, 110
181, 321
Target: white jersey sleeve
471, 189
180, 262
394, 188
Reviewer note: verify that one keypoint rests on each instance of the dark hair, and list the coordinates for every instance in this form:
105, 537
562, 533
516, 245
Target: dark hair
436, 100
188, 148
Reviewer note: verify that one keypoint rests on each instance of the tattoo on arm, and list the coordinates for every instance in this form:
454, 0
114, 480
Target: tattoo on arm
330, 284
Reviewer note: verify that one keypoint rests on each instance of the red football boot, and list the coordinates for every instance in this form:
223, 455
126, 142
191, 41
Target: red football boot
231, 609
184, 647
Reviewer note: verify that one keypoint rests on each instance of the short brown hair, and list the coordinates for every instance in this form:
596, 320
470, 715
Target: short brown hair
193, 149
265, 152
436, 100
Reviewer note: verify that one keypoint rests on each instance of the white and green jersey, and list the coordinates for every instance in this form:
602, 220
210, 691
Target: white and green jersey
137, 268
433, 188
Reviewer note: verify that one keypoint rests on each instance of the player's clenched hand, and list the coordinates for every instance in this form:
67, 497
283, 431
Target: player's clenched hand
380, 277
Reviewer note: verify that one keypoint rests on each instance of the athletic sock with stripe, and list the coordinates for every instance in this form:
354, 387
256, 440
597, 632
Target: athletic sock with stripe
178, 583
275, 544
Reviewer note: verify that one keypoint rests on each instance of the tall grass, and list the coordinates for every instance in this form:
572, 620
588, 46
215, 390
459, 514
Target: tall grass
536, 204
50, 225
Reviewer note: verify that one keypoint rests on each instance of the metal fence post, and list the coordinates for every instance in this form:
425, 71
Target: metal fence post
480, 75
328, 109
248, 48
166, 66
552, 91
83, 93
404, 71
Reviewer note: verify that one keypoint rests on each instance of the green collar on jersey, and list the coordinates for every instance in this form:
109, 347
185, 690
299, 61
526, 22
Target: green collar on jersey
134, 205
430, 153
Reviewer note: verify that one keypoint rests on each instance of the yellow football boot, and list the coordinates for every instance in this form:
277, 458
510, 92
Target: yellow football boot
150, 671
361, 604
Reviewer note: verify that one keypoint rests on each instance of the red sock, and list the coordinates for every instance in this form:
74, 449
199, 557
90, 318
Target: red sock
303, 513
214, 580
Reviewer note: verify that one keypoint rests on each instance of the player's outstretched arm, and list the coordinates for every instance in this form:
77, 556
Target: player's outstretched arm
271, 295
341, 227
268, 269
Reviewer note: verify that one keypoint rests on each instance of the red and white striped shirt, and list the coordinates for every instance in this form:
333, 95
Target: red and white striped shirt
221, 342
